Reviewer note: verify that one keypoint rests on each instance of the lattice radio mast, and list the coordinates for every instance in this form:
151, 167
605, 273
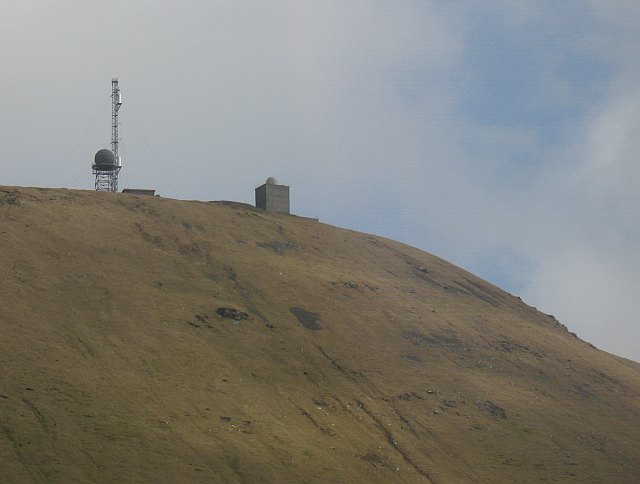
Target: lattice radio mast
107, 163
116, 102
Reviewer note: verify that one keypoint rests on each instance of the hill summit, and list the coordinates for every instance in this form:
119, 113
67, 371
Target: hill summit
145, 339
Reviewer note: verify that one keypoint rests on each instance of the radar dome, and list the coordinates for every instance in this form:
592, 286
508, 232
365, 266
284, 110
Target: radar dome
272, 181
105, 158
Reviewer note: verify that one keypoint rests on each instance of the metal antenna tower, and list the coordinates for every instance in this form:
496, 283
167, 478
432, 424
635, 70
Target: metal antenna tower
107, 163
116, 102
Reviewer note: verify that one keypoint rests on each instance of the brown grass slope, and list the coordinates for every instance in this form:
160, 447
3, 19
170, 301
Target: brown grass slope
361, 359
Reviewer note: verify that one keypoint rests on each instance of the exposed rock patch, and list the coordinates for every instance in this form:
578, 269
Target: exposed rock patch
280, 248
449, 341
509, 346
10, 198
491, 408
231, 313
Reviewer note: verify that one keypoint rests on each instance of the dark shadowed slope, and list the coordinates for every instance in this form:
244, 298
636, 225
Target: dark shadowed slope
145, 339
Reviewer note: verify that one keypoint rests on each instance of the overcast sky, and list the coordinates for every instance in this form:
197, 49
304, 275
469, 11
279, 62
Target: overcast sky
500, 135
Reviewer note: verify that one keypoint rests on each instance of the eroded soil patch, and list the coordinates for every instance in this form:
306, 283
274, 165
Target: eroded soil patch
306, 318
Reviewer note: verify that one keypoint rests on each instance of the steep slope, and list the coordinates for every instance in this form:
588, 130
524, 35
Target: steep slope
146, 339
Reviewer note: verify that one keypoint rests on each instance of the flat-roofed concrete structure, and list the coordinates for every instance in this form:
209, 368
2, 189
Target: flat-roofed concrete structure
140, 191
273, 197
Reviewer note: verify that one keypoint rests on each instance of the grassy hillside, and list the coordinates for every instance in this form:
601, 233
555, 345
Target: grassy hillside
147, 339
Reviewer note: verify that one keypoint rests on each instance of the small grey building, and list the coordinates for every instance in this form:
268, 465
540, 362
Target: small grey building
140, 191
273, 197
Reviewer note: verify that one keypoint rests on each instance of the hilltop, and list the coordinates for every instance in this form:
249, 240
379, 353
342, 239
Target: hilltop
149, 339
